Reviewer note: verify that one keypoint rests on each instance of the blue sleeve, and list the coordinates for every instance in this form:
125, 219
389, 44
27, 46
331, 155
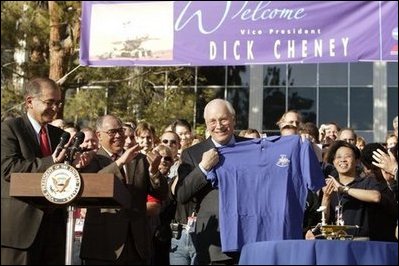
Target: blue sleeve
310, 167
212, 176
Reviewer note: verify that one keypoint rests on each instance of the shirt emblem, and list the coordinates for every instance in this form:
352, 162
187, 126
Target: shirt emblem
283, 161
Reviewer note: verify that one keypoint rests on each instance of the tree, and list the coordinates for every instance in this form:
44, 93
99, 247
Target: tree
47, 32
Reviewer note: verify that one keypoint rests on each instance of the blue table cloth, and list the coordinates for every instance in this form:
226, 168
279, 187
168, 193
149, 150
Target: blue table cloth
320, 252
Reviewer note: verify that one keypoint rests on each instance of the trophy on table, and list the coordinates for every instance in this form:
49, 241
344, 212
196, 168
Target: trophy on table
336, 231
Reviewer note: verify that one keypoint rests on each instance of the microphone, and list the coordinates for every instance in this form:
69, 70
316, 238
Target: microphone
63, 140
78, 139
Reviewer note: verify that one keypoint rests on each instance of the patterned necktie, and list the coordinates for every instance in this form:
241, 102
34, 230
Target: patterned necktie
44, 144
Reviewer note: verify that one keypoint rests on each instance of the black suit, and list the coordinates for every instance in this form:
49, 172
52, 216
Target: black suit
108, 230
193, 185
23, 226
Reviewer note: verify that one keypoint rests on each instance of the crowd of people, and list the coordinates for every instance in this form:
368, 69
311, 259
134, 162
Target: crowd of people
193, 199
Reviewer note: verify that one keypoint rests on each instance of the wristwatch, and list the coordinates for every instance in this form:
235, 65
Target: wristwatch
343, 189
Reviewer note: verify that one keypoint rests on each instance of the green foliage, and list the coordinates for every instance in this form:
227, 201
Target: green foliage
200, 130
24, 25
174, 103
12, 101
85, 105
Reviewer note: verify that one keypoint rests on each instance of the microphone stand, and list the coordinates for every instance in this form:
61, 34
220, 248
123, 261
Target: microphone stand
79, 137
70, 226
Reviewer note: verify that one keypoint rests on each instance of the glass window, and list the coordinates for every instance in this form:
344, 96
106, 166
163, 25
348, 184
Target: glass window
392, 105
274, 75
361, 108
361, 73
238, 75
333, 106
204, 95
239, 98
392, 69
392, 74
333, 74
273, 106
304, 101
302, 75
212, 75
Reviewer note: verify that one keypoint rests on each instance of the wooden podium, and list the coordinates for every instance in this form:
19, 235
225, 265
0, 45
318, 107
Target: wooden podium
97, 190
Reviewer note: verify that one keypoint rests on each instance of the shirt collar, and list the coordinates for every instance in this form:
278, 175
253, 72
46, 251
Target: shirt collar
35, 124
232, 141
110, 153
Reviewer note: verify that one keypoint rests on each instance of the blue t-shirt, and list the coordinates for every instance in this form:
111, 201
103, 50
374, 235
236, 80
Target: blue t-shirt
262, 189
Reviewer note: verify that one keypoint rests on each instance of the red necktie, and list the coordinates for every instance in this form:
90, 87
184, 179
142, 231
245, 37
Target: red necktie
44, 144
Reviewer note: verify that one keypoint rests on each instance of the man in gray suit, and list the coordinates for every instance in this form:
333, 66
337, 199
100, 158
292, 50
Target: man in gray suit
119, 236
30, 235
197, 160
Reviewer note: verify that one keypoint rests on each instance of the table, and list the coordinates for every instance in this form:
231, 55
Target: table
319, 252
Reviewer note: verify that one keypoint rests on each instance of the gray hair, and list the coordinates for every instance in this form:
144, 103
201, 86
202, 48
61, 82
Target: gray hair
228, 105
34, 86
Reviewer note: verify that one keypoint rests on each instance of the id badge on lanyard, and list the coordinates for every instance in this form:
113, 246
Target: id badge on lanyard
191, 222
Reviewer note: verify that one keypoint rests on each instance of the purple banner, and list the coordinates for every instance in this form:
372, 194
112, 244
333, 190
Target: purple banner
196, 33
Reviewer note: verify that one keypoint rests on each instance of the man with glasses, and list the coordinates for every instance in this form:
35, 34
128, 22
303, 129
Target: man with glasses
30, 235
194, 187
120, 236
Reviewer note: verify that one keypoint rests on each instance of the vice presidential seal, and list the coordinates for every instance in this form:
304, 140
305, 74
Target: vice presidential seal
61, 183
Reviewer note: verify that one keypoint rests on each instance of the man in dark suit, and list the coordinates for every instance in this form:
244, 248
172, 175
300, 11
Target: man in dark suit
30, 235
120, 236
197, 160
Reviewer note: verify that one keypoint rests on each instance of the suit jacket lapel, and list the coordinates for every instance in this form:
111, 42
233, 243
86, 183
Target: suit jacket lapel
53, 140
209, 143
106, 160
28, 128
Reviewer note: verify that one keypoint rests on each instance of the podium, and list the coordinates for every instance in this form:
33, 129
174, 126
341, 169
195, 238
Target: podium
97, 190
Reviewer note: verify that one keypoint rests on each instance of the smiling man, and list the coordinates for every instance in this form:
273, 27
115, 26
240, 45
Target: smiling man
119, 236
27, 146
196, 192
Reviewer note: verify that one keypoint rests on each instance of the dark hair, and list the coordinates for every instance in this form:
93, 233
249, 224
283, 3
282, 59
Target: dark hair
181, 122
130, 124
335, 124
311, 129
367, 154
71, 125
249, 131
332, 150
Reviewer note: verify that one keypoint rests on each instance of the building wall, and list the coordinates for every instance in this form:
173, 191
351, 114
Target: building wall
359, 95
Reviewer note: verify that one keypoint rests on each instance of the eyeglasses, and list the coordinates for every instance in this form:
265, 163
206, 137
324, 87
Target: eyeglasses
171, 141
51, 103
214, 122
112, 132
167, 159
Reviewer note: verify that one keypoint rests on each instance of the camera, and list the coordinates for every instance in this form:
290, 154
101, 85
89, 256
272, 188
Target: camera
176, 229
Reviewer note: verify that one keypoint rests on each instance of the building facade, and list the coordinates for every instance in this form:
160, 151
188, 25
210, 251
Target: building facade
362, 95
